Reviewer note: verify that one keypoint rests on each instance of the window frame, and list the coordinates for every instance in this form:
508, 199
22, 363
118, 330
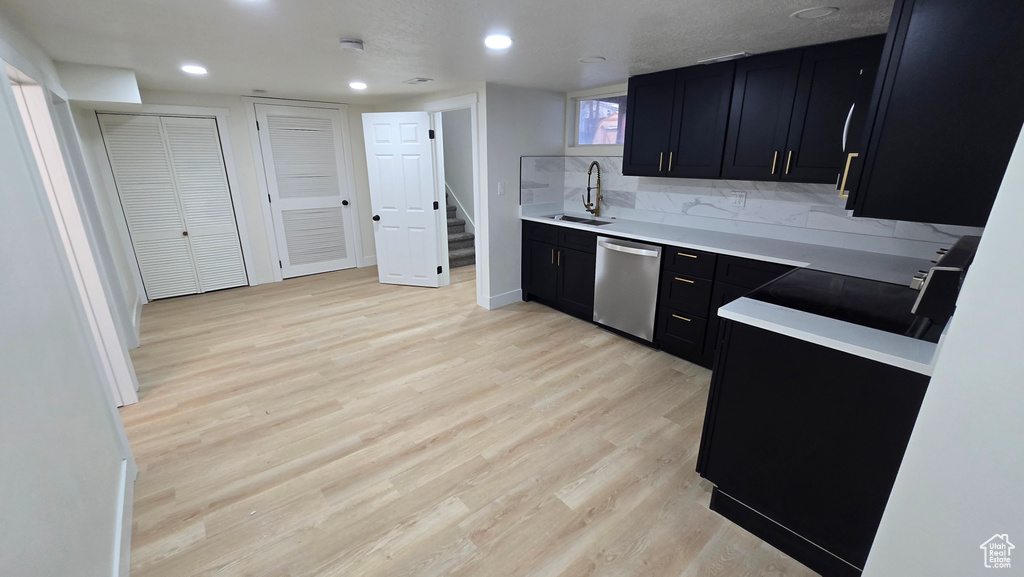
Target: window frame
572, 113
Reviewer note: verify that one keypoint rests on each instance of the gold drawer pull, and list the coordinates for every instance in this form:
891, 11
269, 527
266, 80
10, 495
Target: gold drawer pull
846, 172
681, 318
661, 157
684, 280
686, 255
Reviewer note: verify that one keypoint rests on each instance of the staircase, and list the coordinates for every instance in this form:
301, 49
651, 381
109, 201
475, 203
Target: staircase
460, 242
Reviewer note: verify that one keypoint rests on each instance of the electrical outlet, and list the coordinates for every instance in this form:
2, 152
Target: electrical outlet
739, 198
501, 189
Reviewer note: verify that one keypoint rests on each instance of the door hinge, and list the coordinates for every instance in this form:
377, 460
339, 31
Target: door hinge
269, 199
438, 269
257, 126
279, 264
431, 134
436, 205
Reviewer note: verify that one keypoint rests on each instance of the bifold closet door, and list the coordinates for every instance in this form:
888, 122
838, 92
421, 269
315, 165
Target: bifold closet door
170, 177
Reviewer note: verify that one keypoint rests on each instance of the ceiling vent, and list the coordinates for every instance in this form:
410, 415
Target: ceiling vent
417, 80
351, 44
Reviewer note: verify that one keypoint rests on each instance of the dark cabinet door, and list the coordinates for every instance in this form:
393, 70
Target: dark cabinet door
576, 282
648, 124
722, 295
946, 113
701, 114
831, 76
541, 270
762, 104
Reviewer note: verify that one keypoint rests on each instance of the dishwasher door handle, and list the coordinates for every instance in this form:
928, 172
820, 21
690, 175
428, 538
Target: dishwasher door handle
628, 249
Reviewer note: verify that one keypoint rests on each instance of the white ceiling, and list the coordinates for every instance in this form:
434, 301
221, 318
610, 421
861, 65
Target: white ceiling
290, 47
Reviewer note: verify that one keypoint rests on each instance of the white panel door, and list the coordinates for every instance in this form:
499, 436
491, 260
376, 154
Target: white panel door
402, 192
145, 183
198, 168
308, 181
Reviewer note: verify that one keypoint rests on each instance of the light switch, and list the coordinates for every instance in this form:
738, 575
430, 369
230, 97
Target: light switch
739, 198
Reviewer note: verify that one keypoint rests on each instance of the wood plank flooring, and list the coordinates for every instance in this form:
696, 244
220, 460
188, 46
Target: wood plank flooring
330, 425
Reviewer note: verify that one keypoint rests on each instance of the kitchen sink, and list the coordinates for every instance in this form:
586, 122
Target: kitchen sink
580, 220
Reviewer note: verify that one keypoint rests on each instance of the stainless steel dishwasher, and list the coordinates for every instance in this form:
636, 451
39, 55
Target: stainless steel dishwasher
626, 286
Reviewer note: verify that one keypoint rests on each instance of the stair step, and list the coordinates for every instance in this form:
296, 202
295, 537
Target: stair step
460, 253
460, 236
451, 211
460, 244
455, 221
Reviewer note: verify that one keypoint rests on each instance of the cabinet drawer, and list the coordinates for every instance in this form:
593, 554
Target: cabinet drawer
577, 239
688, 294
682, 334
743, 272
690, 262
542, 232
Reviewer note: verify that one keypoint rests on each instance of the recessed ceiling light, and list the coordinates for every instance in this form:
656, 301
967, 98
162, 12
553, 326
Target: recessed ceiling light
193, 69
592, 59
812, 13
497, 42
356, 85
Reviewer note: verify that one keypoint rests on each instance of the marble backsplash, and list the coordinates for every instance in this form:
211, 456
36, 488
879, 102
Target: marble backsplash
558, 183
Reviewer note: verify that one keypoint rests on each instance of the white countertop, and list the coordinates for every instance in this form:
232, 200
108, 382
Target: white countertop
896, 350
858, 263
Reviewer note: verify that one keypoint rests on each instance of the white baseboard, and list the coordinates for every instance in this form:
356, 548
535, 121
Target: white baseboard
136, 323
503, 300
369, 261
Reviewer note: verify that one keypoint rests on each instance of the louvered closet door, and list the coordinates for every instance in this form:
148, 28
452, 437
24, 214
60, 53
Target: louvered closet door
198, 168
142, 174
170, 176
303, 155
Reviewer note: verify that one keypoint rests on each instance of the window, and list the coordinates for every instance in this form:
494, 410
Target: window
600, 121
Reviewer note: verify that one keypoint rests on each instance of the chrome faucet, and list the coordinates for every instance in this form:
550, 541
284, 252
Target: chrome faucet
593, 207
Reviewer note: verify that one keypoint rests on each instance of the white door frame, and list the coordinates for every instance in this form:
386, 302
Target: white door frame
261, 171
221, 116
480, 242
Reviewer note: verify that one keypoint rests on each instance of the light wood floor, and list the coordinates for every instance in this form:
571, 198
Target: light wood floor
329, 425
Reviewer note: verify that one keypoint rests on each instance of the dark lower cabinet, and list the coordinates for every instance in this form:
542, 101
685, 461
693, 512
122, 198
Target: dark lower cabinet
559, 274
681, 333
945, 114
722, 295
808, 438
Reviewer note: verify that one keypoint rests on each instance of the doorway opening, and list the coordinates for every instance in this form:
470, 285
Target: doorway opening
455, 132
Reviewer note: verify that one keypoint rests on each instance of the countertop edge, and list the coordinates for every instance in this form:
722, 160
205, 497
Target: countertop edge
895, 350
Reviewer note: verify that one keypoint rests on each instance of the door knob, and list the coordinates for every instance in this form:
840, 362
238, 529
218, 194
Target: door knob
376, 217
344, 203
184, 233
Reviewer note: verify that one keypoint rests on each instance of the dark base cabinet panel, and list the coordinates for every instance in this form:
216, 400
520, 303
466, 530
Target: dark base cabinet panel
576, 282
815, 558
809, 437
540, 273
558, 268
681, 334
722, 295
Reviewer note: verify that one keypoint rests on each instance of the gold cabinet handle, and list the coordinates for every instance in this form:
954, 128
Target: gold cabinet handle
670, 162
789, 157
684, 280
846, 173
552, 256
559, 258
680, 318
775, 159
686, 255
661, 156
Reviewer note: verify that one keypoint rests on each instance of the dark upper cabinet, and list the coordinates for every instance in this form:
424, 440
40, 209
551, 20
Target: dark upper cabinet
700, 117
676, 122
832, 76
946, 112
762, 106
649, 105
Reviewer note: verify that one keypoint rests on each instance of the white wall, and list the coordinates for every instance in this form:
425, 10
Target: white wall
962, 479
62, 445
520, 122
457, 140
246, 166
86, 82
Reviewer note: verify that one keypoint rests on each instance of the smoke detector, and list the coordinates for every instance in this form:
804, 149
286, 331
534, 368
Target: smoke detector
352, 44
417, 80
